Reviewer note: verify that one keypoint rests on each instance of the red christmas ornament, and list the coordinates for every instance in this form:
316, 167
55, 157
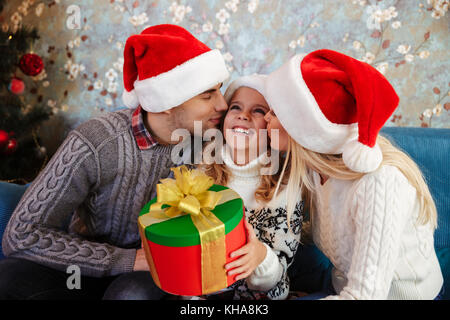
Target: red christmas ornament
11, 147
31, 64
16, 86
4, 138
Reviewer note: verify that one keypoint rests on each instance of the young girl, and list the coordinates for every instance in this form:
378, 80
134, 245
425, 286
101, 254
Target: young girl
371, 211
261, 269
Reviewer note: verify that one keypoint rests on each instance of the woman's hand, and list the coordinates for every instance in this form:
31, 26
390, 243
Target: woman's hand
252, 254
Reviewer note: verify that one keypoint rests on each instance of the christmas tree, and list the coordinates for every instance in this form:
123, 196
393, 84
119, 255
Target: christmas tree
21, 155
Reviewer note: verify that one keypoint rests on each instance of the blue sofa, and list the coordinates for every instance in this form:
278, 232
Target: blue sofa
430, 148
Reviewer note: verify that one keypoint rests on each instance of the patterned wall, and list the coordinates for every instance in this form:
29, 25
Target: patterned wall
82, 46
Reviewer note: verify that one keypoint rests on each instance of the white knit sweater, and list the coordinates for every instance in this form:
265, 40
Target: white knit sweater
269, 279
368, 230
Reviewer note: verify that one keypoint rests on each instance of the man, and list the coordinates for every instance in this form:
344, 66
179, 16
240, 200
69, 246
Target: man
82, 209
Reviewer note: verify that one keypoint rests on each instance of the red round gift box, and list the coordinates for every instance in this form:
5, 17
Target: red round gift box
179, 268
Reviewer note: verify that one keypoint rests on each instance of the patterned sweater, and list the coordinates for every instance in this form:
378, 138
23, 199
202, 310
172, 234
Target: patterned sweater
83, 207
368, 229
269, 279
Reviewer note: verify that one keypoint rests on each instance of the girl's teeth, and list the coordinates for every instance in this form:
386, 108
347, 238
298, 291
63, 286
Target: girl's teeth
240, 130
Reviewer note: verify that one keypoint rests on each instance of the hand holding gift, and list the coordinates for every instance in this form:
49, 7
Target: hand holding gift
250, 256
140, 263
188, 232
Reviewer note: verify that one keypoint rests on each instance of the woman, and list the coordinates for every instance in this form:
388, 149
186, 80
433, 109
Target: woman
371, 212
261, 269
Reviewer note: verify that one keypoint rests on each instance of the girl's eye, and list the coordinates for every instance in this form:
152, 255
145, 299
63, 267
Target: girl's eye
259, 110
234, 107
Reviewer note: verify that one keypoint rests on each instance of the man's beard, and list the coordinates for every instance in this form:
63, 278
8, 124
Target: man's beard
179, 122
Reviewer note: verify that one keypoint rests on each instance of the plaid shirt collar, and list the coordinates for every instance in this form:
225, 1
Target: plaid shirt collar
143, 138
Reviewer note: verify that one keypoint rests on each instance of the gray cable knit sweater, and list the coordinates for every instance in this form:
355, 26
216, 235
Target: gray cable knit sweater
82, 209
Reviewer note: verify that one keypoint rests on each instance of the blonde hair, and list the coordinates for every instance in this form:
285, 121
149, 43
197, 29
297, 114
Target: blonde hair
303, 161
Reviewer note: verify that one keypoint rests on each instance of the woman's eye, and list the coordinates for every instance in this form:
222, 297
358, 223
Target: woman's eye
234, 107
206, 97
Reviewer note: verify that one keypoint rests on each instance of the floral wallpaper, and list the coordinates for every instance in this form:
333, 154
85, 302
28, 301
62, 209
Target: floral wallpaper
82, 46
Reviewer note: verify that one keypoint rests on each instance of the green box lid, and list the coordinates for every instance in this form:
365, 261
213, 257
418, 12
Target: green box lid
181, 231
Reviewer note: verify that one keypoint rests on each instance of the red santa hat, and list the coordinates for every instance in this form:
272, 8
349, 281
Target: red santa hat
331, 103
165, 66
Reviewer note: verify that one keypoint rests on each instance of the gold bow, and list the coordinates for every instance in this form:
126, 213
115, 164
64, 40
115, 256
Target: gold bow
188, 194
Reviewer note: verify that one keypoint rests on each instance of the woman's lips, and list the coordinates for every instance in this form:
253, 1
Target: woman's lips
239, 126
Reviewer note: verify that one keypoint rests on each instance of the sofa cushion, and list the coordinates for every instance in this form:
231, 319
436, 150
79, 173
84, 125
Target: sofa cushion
430, 149
443, 255
10, 195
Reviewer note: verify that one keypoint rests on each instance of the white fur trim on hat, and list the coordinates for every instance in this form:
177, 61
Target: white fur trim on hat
130, 99
296, 108
361, 158
172, 88
254, 81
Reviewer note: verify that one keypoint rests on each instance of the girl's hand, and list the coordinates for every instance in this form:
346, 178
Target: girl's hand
252, 254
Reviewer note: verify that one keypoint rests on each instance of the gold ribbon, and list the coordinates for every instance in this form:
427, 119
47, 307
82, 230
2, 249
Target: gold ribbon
188, 194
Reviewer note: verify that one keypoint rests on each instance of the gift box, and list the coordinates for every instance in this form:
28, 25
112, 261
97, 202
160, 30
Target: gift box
188, 232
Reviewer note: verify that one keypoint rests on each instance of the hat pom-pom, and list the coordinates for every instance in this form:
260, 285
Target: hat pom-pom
130, 99
361, 158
